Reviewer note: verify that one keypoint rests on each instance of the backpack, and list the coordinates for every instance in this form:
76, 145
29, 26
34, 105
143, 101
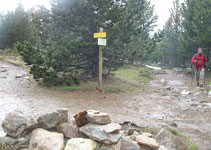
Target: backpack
196, 55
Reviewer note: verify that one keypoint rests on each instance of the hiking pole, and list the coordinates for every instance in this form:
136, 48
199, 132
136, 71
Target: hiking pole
205, 74
192, 75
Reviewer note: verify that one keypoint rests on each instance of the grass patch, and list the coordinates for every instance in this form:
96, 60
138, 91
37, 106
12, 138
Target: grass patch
12, 57
83, 86
190, 144
135, 76
125, 79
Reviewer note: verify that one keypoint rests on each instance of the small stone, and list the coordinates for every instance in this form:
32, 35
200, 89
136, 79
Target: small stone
5, 66
185, 93
49, 121
111, 128
128, 145
68, 129
4, 70
173, 124
163, 81
81, 119
44, 140
209, 94
163, 148
168, 88
19, 76
81, 144
96, 133
194, 105
146, 141
98, 118
136, 133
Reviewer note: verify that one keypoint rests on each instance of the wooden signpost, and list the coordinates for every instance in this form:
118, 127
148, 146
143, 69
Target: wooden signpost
101, 42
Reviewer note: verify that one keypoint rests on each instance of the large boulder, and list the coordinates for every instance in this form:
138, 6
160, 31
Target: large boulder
81, 144
96, 133
44, 140
16, 124
97, 117
49, 121
146, 141
81, 119
128, 145
68, 129
171, 141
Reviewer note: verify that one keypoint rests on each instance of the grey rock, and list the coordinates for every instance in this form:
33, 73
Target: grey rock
4, 70
96, 133
63, 115
68, 129
10, 143
160, 72
49, 121
16, 124
168, 88
171, 141
185, 93
173, 124
110, 147
44, 140
163, 81
81, 144
111, 128
128, 145
97, 117
19, 76
146, 141
5, 66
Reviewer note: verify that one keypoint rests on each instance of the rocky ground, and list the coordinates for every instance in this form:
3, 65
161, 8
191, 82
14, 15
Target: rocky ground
170, 99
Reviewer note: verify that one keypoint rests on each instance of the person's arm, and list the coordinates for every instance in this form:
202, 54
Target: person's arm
206, 61
193, 60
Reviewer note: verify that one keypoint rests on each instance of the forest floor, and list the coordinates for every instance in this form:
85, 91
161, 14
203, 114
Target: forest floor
161, 103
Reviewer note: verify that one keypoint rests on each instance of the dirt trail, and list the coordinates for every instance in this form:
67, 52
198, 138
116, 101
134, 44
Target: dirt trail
153, 107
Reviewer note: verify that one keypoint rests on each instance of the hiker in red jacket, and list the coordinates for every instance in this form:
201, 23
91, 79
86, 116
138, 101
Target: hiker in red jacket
200, 61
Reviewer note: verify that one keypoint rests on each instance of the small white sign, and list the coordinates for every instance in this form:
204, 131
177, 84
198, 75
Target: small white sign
102, 42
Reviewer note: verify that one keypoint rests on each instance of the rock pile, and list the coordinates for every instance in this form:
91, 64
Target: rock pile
88, 130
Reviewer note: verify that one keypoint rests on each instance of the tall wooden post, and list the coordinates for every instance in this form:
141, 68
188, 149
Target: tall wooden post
100, 71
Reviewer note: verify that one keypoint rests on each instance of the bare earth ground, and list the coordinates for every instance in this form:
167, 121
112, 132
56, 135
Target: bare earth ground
153, 107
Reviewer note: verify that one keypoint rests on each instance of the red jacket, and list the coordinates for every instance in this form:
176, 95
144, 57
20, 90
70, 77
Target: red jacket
201, 61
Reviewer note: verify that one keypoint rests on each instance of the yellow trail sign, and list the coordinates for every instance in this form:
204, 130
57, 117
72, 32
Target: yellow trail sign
100, 35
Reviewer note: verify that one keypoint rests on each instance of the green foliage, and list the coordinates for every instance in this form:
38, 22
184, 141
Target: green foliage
15, 26
147, 73
45, 68
187, 29
63, 47
168, 50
